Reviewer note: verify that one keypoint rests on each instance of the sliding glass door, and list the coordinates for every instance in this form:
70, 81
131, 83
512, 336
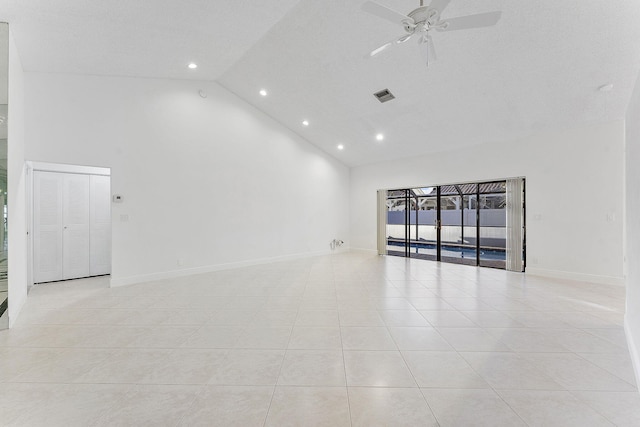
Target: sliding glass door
493, 224
458, 223
397, 223
425, 235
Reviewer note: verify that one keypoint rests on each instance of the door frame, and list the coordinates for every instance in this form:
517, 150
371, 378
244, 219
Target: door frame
438, 222
31, 167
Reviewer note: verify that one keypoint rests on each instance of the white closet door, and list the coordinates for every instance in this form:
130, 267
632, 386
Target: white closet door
100, 258
48, 225
76, 226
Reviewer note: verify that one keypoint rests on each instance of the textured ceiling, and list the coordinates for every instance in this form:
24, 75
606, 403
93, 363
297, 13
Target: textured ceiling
538, 69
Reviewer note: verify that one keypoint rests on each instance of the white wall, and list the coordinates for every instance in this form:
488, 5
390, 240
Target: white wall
574, 182
16, 186
207, 183
632, 219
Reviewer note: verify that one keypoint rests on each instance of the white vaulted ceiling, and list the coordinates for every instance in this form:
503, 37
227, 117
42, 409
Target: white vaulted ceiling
539, 68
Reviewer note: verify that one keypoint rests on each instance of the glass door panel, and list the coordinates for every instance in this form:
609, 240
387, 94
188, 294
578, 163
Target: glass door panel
397, 223
425, 236
493, 231
451, 231
469, 231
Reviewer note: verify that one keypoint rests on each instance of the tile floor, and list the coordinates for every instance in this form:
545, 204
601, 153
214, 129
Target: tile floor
349, 339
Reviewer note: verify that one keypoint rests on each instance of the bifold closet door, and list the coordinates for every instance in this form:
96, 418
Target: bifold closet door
47, 226
72, 226
75, 233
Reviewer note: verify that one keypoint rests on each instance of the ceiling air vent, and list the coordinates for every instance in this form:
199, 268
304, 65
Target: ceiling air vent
384, 95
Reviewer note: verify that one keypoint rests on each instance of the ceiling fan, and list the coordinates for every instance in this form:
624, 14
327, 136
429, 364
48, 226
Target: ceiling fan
421, 21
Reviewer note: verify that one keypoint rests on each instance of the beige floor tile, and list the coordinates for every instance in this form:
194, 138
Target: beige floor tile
65, 366
71, 404
127, 366
360, 318
248, 367
214, 337
377, 369
163, 337
315, 338
491, 319
620, 408
275, 318
16, 361
582, 342
186, 366
309, 406
312, 368
618, 364
367, 338
403, 318
470, 408
575, 373
313, 317
418, 338
229, 406
504, 370
299, 323
552, 408
265, 338
442, 369
152, 405
374, 406
528, 340
472, 339
429, 303
447, 319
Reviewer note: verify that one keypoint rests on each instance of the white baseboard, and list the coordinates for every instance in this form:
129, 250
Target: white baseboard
141, 278
367, 251
15, 308
579, 277
634, 351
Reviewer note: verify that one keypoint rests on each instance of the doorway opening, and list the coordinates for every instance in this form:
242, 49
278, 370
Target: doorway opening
480, 224
70, 222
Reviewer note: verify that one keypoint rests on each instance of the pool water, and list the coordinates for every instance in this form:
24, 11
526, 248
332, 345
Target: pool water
453, 251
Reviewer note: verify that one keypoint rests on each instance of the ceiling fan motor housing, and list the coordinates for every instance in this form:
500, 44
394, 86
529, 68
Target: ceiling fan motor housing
423, 15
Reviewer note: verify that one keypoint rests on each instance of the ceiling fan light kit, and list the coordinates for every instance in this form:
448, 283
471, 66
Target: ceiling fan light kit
421, 21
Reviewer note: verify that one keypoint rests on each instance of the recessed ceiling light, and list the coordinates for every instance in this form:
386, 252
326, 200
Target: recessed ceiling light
193, 65
379, 137
340, 147
606, 88
305, 122
263, 92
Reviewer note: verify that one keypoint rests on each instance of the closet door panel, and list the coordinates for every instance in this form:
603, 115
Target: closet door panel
48, 226
100, 252
76, 236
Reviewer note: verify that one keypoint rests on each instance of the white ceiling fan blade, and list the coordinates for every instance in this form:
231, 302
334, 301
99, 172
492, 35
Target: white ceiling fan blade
431, 49
427, 49
384, 12
439, 5
385, 46
471, 21
405, 38
379, 50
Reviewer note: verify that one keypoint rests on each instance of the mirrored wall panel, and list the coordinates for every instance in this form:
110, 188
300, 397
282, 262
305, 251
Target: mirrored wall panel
4, 100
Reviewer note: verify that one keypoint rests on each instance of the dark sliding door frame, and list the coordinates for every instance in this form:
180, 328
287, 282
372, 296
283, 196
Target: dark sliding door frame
475, 190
